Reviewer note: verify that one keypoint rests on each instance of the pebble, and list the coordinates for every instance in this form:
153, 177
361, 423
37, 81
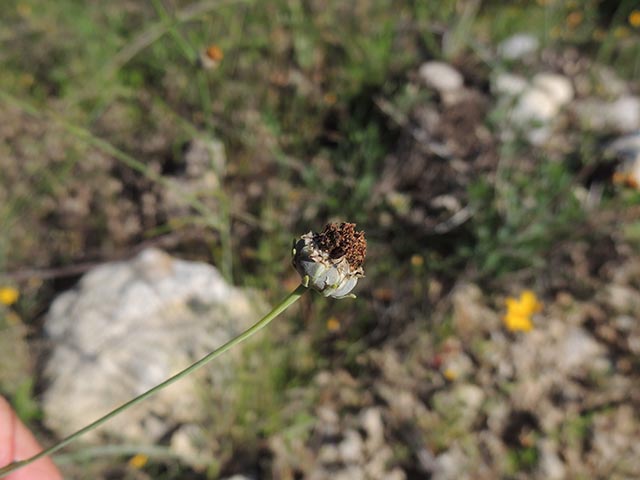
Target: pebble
509, 84
621, 115
518, 46
441, 76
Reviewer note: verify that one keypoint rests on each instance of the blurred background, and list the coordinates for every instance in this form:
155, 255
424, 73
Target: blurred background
491, 152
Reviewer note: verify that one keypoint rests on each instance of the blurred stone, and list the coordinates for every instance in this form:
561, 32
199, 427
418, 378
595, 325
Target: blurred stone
556, 86
614, 441
518, 46
550, 465
543, 99
609, 83
190, 442
371, 421
456, 366
626, 148
621, 115
441, 76
351, 448
128, 326
578, 350
622, 298
205, 156
509, 84
538, 103
450, 465
470, 314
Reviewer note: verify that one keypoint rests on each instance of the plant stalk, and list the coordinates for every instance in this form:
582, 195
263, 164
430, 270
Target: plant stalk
277, 310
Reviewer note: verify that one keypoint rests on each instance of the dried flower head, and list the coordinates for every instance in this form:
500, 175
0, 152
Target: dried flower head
331, 261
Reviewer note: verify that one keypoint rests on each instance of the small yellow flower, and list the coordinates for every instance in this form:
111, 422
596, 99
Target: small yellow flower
138, 461
634, 19
8, 295
450, 374
333, 324
519, 311
417, 260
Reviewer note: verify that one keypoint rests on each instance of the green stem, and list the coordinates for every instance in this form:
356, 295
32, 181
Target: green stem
277, 310
189, 53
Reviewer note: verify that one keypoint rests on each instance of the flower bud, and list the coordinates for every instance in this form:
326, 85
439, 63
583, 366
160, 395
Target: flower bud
331, 262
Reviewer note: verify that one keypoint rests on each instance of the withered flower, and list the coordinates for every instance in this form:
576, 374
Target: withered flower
331, 261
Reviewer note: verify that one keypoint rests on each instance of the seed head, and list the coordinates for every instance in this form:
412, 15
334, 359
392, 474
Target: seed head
331, 261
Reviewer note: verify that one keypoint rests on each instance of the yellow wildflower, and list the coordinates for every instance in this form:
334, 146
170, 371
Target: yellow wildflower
450, 374
417, 260
519, 311
138, 461
333, 324
634, 19
8, 295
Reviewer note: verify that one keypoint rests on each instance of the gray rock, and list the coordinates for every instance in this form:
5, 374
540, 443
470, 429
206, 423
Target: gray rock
539, 104
128, 326
579, 349
508, 84
621, 115
351, 447
556, 86
441, 76
550, 465
371, 420
518, 46
626, 148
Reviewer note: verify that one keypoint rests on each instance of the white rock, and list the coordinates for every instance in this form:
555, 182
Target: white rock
509, 85
371, 421
558, 87
535, 105
550, 465
128, 326
578, 350
450, 464
621, 115
624, 114
518, 45
441, 76
351, 447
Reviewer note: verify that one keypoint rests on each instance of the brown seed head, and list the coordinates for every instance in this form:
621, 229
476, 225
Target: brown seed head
342, 240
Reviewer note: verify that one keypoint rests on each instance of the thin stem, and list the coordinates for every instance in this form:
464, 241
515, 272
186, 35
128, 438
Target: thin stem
277, 310
189, 53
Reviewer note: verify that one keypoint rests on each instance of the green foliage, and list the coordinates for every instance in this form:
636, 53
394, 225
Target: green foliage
520, 217
522, 459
